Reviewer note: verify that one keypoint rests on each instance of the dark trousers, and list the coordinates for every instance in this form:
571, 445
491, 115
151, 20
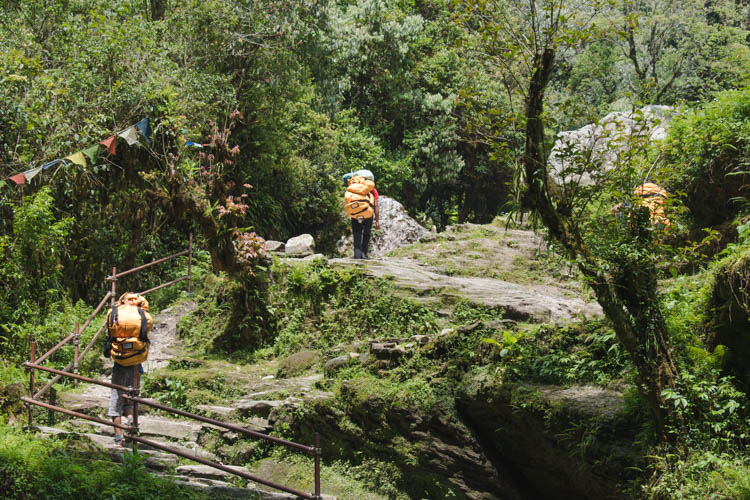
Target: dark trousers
361, 231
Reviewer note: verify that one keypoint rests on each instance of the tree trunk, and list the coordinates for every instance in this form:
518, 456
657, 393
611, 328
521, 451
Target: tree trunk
158, 7
628, 297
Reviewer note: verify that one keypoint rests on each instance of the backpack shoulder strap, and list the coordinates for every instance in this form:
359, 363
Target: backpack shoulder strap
112, 318
143, 337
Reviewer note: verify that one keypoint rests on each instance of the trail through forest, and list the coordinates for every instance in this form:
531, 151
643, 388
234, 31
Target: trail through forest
532, 297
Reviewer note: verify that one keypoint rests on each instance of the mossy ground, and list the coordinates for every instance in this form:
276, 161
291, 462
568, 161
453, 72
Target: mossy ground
329, 311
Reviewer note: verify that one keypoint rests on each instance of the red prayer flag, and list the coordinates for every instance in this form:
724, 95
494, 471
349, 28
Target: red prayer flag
18, 178
109, 143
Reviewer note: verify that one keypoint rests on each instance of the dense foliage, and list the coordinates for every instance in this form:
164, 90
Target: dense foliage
431, 95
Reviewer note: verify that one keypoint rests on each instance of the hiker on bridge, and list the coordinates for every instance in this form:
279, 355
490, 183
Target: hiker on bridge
127, 342
361, 203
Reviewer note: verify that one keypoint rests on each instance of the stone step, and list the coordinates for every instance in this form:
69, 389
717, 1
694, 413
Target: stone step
223, 489
153, 459
188, 448
174, 429
255, 407
103, 435
206, 472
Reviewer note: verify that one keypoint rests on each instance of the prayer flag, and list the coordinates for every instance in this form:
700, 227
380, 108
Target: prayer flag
77, 158
18, 178
29, 174
145, 129
93, 153
109, 143
130, 134
51, 164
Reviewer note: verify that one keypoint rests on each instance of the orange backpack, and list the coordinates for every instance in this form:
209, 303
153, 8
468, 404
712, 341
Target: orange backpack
359, 200
128, 323
654, 197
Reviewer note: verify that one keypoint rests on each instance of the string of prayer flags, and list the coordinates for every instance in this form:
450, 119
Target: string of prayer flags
93, 153
51, 164
29, 174
77, 158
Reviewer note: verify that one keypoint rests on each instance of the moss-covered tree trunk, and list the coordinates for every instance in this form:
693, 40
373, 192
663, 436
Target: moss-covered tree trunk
627, 295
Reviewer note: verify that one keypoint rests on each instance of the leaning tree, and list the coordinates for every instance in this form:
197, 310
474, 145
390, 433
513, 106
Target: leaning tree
617, 256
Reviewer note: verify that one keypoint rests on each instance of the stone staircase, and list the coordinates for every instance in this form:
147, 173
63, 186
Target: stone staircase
182, 435
252, 411
188, 436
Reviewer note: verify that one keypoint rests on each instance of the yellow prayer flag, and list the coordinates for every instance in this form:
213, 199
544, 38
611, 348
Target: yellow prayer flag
77, 158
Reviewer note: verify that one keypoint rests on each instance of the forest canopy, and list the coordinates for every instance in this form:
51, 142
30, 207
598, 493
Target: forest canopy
289, 96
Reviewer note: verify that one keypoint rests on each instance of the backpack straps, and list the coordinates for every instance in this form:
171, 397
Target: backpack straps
112, 319
144, 326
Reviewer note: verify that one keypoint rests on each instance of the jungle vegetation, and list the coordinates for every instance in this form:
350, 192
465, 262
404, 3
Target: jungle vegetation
453, 104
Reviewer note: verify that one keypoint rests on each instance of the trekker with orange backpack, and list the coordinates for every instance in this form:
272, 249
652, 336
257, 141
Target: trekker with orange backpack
128, 324
361, 203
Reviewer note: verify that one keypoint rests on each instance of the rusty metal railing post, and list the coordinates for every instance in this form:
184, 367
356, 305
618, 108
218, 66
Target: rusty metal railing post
135, 391
113, 279
190, 261
31, 382
76, 342
317, 465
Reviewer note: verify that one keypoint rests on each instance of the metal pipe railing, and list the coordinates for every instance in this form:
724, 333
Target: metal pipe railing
74, 413
76, 346
165, 285
215, 465
52, 382
35, 364
144, 266
316, 453
70, 365
77, 377
190, 261
31, 381
54, 349
92, 342
96, 311
236, 428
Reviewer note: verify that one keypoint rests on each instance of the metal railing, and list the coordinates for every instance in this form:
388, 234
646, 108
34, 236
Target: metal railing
132, 393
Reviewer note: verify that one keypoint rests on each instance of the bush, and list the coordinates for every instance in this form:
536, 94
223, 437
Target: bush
319, 307
706, 151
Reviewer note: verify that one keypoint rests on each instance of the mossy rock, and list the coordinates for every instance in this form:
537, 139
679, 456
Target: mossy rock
297, 363
729, 308
566, 442
10, 400
414, 451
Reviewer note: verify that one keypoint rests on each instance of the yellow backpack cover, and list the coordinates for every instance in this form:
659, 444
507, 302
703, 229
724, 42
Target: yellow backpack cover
128, 324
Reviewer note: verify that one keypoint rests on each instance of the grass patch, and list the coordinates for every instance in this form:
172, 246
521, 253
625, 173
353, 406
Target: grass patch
32, 467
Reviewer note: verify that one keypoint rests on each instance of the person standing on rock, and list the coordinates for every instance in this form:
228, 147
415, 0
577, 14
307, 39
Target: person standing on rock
361, 203
128, 324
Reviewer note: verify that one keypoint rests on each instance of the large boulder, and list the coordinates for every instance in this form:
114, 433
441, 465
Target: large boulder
604, 140
729, 310
562, 442
300, 246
